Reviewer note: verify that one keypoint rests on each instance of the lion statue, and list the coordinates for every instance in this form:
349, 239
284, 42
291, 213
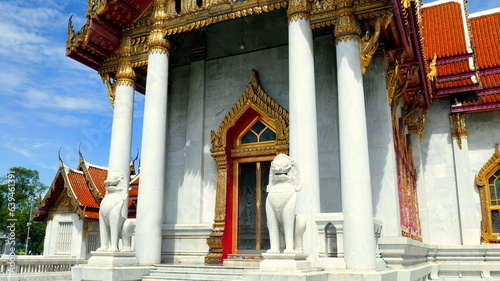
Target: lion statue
113, 214
286, 229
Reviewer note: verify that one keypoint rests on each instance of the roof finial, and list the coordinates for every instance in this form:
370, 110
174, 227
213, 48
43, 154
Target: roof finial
80, 153
132, 164
61, 163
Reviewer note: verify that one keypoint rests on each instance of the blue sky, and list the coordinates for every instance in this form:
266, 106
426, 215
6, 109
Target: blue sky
50, 101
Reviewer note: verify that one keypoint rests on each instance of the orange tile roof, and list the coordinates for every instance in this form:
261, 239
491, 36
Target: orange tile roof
98, 175
92, 215
456, 83
443, 30
453, 68
135, 180
493, 98
81, 189
491, 81
486, 38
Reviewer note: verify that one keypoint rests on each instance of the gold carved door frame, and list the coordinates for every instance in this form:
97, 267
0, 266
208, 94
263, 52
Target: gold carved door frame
256, 100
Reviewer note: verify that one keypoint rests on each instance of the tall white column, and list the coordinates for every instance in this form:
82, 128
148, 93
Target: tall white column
148, 231
123, 114
359, 240
303, 120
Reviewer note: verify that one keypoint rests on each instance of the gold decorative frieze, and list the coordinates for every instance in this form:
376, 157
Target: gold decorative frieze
458, 127
298, 9
226, 10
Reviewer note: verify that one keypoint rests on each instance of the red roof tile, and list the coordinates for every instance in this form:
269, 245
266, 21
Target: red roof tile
491, 81
92, 215
456, 83
486, 38
81, 190
443, 30
453, 68
98, 175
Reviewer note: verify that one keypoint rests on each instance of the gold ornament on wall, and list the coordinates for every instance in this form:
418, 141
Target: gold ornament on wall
458, 127
432, 68
369, 42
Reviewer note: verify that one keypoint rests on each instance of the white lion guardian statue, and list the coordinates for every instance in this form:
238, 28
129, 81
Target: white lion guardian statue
286, 229
113, 222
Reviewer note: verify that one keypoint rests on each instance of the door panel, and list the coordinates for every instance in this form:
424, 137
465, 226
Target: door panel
252, 229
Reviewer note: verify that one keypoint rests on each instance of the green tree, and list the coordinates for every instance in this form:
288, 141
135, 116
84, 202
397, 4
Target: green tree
20, 193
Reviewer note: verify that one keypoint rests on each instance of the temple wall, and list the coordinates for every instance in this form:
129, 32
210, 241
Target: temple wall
451, 207
73, 237
328, 131
440, 189
383, 172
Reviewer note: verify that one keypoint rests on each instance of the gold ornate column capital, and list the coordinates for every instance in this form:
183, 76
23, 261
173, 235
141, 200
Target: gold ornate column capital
346, 24
125, 74
298, 9
458, 127
157, 40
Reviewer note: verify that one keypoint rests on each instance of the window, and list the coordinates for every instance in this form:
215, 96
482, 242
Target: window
259, 132
488, 181
64, 238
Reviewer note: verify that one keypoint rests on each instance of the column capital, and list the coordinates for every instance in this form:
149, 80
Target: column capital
125, 74
298, 9
346, 24
157, 40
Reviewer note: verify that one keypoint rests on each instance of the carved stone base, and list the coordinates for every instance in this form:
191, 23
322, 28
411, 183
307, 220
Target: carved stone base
285, 262
112, 266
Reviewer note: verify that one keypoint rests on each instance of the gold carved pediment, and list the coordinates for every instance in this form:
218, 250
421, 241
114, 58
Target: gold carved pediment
257, 99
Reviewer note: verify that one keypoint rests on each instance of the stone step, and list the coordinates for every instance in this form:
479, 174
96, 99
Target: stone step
196, 272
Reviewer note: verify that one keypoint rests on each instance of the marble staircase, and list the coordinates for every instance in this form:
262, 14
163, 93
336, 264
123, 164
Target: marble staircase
197, 272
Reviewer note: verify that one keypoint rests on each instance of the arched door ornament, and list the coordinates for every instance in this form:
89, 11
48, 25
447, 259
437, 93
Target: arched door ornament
257, 101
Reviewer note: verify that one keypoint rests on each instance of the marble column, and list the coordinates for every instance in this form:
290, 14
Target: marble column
123, 113
303, 120
359, 240
148, 231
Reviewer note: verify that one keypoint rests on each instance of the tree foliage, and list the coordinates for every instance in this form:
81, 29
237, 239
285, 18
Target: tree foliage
20, 193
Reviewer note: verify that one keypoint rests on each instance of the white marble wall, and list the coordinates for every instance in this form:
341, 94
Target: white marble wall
439, 176
327, 113
78, 248
383, 171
